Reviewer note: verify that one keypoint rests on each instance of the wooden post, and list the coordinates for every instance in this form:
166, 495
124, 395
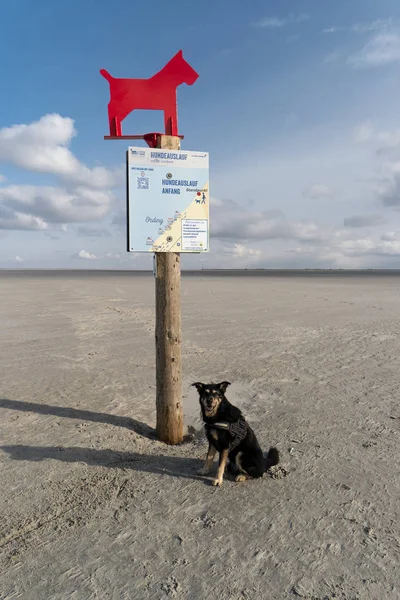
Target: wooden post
169, 424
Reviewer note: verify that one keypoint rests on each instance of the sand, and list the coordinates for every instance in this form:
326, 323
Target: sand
92, 506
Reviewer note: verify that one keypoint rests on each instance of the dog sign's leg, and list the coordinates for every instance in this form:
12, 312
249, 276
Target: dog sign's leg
223, 458
170, 114
115, 125
209, 460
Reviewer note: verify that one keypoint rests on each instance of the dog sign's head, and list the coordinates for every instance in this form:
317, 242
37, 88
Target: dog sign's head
211, 395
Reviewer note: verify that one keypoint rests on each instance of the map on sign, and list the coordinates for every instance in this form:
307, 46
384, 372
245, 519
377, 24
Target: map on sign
168, 200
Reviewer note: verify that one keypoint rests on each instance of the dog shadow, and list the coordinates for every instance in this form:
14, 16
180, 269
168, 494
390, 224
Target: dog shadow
83, 415
174, 466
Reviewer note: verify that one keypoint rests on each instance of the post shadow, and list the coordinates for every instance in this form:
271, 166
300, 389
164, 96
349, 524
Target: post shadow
174, 466
83, 415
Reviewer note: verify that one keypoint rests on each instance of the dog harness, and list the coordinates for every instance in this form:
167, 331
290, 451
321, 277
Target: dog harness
238, 430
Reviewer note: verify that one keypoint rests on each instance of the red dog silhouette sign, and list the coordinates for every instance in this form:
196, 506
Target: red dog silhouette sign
156, 93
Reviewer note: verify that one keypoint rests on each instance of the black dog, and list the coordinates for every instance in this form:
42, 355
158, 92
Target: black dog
229, 434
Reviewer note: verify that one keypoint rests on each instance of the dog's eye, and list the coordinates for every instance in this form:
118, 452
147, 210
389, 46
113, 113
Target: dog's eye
207, 391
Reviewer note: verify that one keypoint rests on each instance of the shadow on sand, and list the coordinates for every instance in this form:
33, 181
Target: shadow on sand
174, 466
83, 415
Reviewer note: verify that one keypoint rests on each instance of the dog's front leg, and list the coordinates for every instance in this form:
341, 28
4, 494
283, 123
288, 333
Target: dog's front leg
223, 458
209, 460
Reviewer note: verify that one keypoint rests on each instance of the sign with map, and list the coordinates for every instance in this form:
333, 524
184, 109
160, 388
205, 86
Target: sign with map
168, 200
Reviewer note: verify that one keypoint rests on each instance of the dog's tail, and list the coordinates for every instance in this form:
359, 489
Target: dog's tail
272, 458
106, 75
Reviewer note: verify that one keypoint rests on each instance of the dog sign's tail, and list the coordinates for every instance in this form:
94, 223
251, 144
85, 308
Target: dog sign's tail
272, 458
106, 75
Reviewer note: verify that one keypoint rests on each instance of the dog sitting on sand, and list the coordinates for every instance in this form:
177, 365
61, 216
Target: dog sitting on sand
229, 434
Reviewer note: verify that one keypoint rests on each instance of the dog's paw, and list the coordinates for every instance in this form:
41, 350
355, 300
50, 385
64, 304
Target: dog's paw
203, 471
241, 478
217, 482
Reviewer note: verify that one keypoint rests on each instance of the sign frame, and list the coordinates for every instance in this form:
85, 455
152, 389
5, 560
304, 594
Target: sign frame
167, 195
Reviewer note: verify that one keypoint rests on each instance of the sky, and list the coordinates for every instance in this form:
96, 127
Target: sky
297, 102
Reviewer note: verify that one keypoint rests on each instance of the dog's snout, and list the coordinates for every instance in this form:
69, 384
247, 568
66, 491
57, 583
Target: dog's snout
210, 401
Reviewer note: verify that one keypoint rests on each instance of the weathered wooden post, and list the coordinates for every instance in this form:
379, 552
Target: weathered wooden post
160, 182
169, 423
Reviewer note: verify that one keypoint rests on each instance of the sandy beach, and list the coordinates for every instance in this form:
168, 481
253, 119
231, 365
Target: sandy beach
92, 506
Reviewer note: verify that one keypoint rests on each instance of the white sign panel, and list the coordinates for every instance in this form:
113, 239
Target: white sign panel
168, 200
194, 235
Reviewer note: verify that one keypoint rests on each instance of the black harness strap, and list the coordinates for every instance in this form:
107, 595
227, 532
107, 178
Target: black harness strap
238, 431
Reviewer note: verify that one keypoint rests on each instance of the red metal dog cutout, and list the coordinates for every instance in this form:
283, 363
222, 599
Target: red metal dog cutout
156, 93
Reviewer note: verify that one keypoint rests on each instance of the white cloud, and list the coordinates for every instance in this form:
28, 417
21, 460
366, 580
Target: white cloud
86, 255
333, 56
369, 246
386, 144
43, 147
51, 235
93, 232
300, 250
106, 256
332, 29
382, 49
119, 218
232, 222
277, 22
366, 132
318, 191
394, 167
241, 235
241, 251
56, 205
2, 179
391, 236
316, 245
376, 25
364, 221
346, 252
15, 220
389, 194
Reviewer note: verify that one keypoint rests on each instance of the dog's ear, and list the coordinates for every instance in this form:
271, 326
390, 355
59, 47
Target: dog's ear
199, 386
223, 385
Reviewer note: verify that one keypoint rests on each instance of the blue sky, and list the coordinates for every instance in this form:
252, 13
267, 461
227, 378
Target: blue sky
297, 103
